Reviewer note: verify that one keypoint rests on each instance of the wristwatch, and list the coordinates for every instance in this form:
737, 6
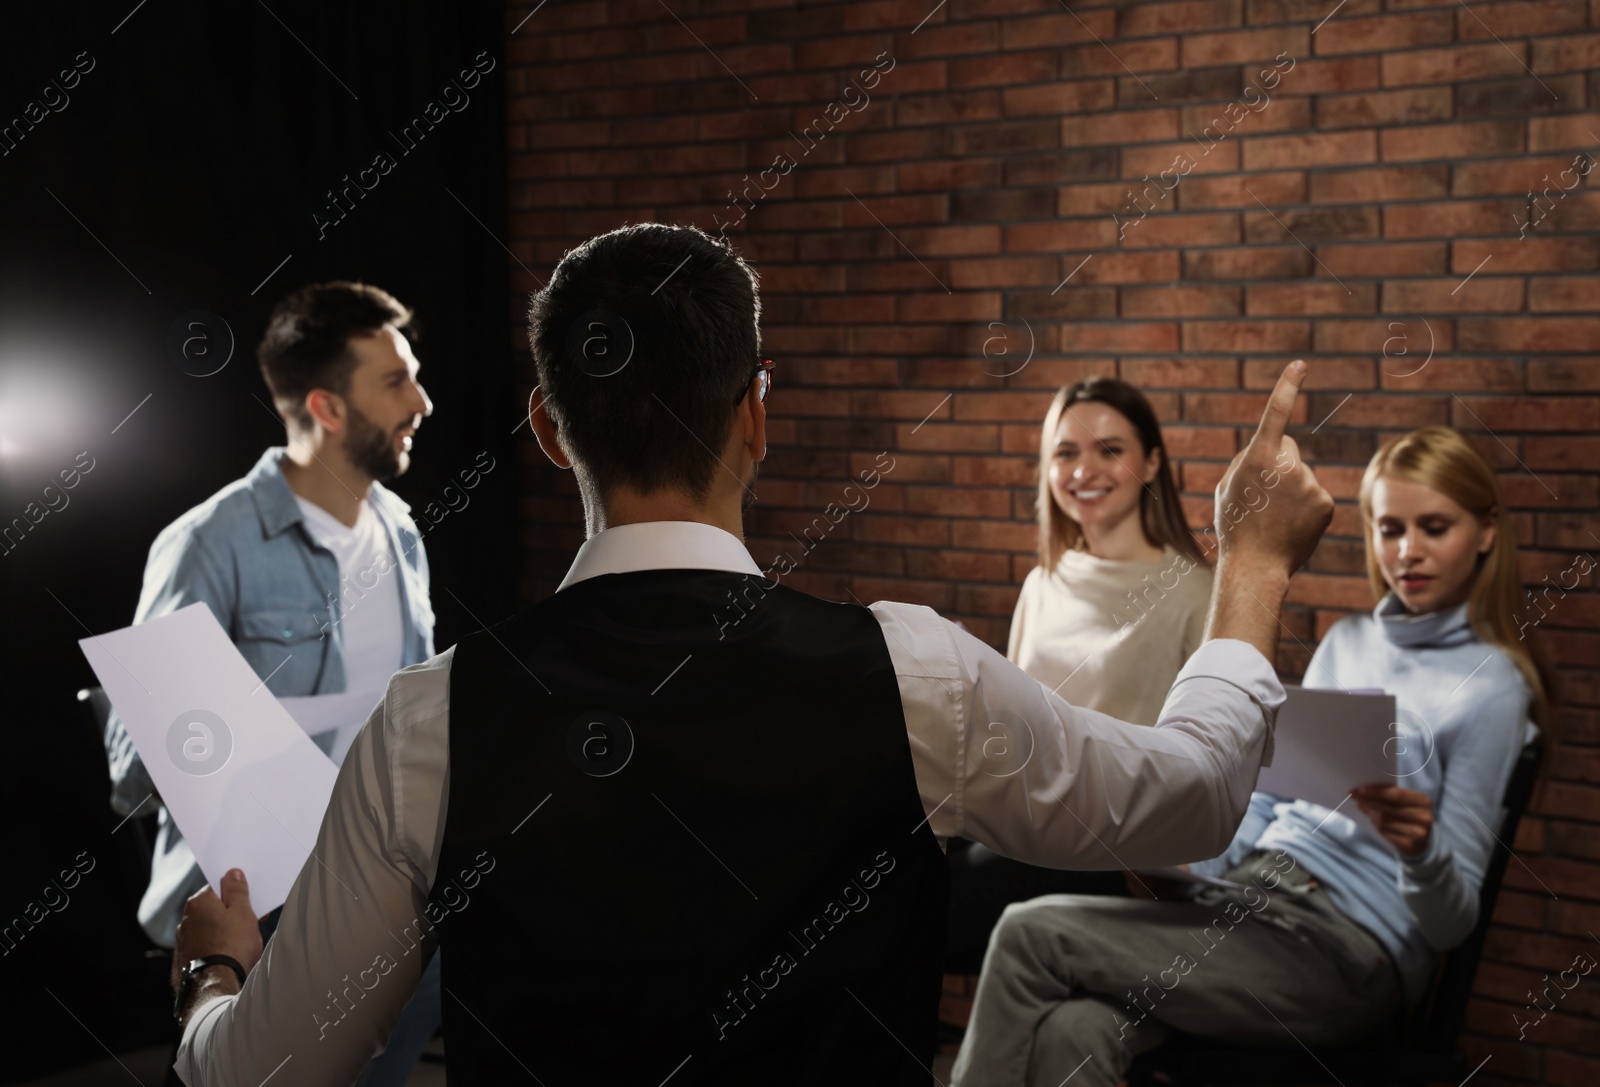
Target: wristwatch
193, 967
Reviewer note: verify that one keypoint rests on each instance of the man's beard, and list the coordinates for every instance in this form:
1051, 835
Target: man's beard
371, 449
750, 487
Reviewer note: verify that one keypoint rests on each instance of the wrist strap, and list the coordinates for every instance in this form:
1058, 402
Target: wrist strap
225, 960
186, 978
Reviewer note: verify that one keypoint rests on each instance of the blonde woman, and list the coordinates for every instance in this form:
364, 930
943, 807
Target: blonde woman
1336, 927
1106, 619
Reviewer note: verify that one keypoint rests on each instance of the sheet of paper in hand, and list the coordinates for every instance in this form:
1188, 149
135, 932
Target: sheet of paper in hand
332, 720
243, 781
1329, 741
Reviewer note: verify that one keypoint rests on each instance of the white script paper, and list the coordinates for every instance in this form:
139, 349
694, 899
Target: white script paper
1327, 742
332, 720
243, 781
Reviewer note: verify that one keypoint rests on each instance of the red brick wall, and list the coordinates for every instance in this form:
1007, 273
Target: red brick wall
969, 216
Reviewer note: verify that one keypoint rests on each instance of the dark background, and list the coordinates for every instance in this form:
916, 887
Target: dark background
196, 150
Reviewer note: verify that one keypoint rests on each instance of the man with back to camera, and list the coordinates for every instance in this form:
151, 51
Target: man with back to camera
662, 847
313, 567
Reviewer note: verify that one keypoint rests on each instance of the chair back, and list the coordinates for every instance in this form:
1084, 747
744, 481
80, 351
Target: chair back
1437, 1021
98, 708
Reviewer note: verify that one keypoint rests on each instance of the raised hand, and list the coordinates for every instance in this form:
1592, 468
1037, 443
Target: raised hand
1270, 509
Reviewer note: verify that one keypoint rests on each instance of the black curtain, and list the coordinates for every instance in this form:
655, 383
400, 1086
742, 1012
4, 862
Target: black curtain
168, 170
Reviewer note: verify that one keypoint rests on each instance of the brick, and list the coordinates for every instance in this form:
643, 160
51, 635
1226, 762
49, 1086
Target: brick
1333, 74
1380, 184
1143, 55
994, 535
1007, 137
1175, 158
1370, 336
1323, 373
1449, 219
1309, 299
1454, 64
1384, 33
1300, 11
957, 565
1181, 373
1256, 262
1242, 190
1001, 204
1481, 294
1522, 175
1242, 46
1196, 85
1239, 409
1071, 303
1057, 29
1385, 259
1563, 375
1525, 413
1140, 20
935, 109
1121, 336
1323, 149
1003, 69
1380, 411
1521, 20
1120, 127
1559, 133
1053, 237
1384, 108
1076, 201
1216, 443
1166, 231
1152, 267
1330, 591
1256, 337
1059, 166
958, 501
1475, 139
1055, 99
945, 176
951, 39
1518, 97
1541, 255
1310, 225
1007, 406
1571, 52
1001, 272
1177, 301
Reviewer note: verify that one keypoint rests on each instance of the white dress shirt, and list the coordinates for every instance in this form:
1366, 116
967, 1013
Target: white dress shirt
998, 759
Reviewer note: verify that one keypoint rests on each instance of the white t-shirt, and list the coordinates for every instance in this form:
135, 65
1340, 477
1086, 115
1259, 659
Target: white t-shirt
369, 595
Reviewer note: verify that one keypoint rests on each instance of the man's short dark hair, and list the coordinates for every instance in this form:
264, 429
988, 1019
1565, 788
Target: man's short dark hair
642, 340
306, 345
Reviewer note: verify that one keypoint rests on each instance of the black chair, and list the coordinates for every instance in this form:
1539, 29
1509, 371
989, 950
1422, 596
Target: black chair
139, 828
1418, 1051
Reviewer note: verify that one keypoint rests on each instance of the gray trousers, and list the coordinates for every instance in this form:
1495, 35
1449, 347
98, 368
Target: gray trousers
1075, 986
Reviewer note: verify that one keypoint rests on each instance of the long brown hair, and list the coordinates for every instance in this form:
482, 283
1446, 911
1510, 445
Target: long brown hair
1160, 512
1439, 457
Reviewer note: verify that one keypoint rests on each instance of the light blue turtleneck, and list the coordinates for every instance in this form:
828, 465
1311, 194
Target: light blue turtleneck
1463, 709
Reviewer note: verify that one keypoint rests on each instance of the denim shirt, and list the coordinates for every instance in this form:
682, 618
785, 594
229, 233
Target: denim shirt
247, 552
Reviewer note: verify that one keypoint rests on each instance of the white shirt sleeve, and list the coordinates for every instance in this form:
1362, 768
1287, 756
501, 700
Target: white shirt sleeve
1002, 760
354, 934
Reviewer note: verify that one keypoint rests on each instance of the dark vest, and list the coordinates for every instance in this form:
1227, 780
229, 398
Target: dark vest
684, 844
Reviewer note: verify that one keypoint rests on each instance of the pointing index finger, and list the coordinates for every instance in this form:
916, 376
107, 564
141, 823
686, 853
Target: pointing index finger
1275, 420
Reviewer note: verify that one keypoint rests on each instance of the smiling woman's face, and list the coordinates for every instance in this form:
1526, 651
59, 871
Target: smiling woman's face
1098, 466
1427, 545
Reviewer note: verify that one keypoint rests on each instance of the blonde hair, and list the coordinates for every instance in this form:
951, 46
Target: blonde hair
1440, 458
1160, 512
